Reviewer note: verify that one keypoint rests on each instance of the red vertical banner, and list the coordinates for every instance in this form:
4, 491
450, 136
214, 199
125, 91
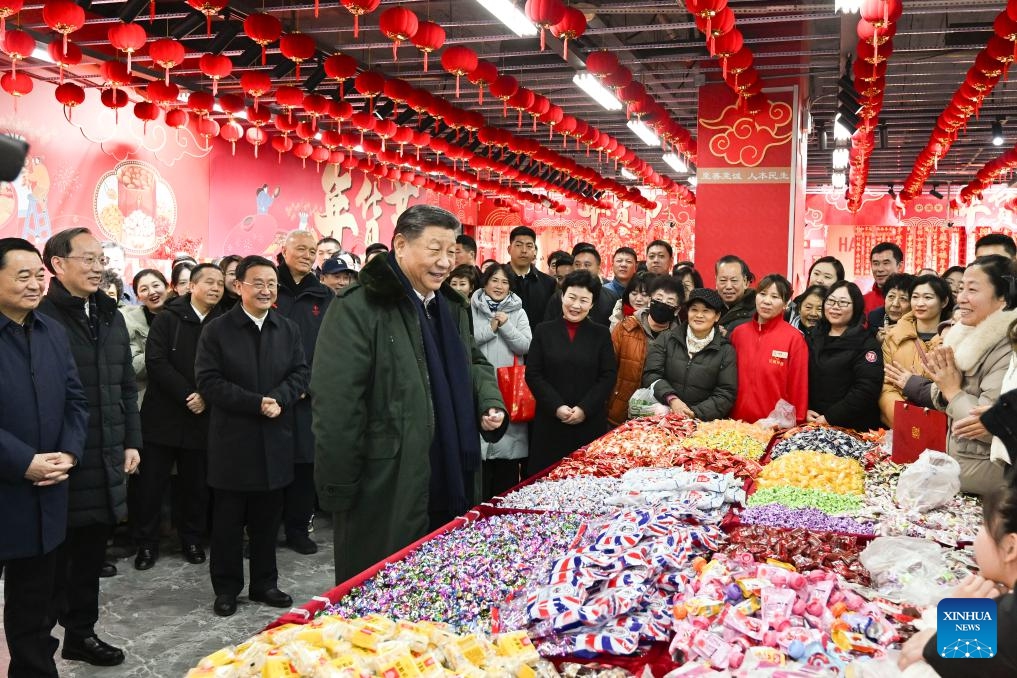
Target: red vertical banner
748, 186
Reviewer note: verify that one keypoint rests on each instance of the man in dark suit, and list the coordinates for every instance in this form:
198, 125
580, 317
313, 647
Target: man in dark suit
43, 421
250, 370
533, 287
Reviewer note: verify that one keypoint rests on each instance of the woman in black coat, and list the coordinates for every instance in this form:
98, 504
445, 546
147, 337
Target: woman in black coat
845, 363
174, 421
571, 370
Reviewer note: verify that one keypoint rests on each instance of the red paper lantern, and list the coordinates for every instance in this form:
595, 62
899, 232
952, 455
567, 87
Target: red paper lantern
881, 12
168, 53
544, 14
289, 98
162, 94
298, 48
713, 28
320, 155
282, 145
255, 84
484, 74
114, 74
459, 61
115, 99
358, 8
216, 67
127, 38
602, 63
177, 119
370, 84
69, 95
428, 38
18, 45
503, 87
398, 24
207, 129
8, 8
619, 78
17, 85
303, 151
64, 55
201, 103
209, 8
263, 29
258, 116
256, 137
571, 27
63, 16
231, 132
726, 46
147, 112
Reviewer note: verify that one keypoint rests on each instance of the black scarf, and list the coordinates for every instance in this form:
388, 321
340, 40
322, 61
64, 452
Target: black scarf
455, 450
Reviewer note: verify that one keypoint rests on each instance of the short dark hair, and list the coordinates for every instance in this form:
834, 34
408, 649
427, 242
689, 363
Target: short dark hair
838, 267
582, 279
660, 243
565, 259
953, 269
999, 512
488, 261
626, 250
15, 245
196, 271
774, 280
746, 273
668, 283
942, 290
522, 232
59, 245
1000, 270
587, 249
180, 268
468, 271
467, 242
898, 253
899, 281
225, 262
412, 222
250, 262
110, 278
811, 290
581, 245
157, 274
857, 300
505, 270
685, 271
552, 258
375, 247
998, 239
329, 239
641, 281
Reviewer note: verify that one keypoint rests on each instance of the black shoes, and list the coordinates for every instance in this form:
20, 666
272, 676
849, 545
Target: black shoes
225, 605
194, 554
272, 598
146, 558
108, 570
302, 544
93, 651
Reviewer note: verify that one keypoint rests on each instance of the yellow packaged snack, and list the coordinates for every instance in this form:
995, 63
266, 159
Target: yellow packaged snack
277, 667
366, 637
472, 648
385, 626
429, 665
525, 671
398, 665
517, 645
223, 656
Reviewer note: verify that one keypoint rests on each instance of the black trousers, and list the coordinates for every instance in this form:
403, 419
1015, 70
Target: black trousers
298, 502
28, 596
153, 478
76, 594
499, 475
261, 513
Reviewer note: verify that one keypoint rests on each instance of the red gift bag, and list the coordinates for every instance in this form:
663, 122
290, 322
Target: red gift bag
519, 402
916, 429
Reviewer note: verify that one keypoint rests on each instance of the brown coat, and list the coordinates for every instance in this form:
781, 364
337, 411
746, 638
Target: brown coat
901, 346
631, 339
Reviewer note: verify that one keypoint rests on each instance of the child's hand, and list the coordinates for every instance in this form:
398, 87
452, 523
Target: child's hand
975, 586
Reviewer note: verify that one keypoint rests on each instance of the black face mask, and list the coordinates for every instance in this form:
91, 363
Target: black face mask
661, 313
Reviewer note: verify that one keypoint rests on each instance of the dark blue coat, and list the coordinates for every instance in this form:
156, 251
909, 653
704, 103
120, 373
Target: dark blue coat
43, 408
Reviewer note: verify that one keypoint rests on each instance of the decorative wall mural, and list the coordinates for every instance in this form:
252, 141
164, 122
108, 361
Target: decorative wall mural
135, 207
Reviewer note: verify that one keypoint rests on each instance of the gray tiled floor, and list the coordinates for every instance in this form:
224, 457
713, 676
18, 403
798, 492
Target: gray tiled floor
163, 618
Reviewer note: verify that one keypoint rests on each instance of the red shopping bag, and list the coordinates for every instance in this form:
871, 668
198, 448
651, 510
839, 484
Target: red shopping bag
916, 429
519, 402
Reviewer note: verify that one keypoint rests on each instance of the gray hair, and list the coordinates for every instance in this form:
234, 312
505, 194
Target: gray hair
412, 222
60, 246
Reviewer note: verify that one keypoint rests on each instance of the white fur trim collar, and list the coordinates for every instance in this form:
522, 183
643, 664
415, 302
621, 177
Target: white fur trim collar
970, 344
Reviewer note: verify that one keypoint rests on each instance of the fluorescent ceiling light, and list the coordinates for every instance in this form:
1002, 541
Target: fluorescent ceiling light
42, 54
603, 96
840, 132
643, 132
510, 15
240, 114
839, 180
627, 174
676, 163
318, 136
358, 148
841, 156
693, 181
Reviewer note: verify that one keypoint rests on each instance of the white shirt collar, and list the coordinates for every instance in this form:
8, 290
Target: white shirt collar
257, 321
425, 300
201, 316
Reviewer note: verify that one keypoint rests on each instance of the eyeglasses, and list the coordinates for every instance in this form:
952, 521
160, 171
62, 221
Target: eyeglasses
262, 286
839, 303
89, 260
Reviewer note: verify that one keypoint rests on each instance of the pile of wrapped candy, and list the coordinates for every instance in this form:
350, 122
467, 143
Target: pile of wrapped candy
331, 647
827, 439
752, 617
460, 575
614, 590
587, 495
806, 549
736, 437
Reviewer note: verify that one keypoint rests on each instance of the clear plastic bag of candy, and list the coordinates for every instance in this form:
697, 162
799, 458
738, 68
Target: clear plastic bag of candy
933, 480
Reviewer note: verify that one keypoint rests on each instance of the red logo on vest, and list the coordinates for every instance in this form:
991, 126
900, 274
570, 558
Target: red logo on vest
870, 357
315, 311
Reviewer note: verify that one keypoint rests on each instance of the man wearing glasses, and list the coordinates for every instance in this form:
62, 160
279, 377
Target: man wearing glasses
250, 369
98, 491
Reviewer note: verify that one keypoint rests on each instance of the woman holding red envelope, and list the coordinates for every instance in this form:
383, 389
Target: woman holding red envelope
502, 332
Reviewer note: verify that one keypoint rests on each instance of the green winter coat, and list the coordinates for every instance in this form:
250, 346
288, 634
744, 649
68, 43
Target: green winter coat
373, 418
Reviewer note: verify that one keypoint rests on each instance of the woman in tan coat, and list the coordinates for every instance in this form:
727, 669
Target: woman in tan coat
913, 336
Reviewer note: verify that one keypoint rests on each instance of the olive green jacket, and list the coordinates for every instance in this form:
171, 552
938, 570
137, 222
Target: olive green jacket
373, 417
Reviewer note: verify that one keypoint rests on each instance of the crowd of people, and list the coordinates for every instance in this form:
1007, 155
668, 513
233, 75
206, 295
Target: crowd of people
367, 390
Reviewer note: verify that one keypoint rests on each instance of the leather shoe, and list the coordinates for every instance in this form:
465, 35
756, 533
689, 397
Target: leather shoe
272, 597
225, 605
108, 570
194, 554
302, 544
145, 559
93, 651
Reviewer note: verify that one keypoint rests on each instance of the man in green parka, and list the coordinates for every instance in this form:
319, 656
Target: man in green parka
401, 397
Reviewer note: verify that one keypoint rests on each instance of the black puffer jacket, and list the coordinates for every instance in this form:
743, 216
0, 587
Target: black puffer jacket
740, 313
305, 304
707, 382
169, 358
845, 376
98, 494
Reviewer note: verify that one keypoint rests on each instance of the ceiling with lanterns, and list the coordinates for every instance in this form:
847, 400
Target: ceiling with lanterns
481, 89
